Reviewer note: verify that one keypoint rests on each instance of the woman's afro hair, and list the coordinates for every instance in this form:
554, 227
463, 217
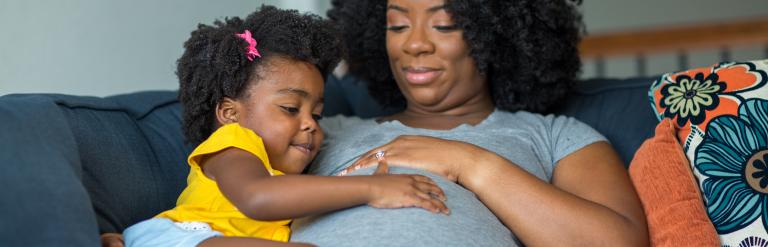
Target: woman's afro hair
215, 65
527, 49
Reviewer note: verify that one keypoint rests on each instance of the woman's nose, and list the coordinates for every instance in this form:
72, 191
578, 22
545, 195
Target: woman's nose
418, 43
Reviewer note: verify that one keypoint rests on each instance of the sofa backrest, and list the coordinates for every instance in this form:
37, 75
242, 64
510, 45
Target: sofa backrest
617, 108
129, 152
75, 166
43, 199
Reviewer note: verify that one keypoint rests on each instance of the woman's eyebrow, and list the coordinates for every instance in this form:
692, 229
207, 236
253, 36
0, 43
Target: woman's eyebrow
436, 8
397, 8
404, 10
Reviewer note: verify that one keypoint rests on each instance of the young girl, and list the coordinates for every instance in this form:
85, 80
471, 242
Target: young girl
252, 92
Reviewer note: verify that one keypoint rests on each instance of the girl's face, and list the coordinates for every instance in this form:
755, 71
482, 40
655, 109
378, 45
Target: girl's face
428, 56
283, 107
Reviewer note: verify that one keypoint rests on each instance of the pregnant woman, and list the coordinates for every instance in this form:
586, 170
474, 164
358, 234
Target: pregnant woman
474, 78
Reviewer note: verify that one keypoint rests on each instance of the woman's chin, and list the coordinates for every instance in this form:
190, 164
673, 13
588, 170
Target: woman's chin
427, 98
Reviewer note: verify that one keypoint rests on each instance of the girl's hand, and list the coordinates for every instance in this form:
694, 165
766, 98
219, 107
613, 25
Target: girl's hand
453, 160
112, 240
401, 190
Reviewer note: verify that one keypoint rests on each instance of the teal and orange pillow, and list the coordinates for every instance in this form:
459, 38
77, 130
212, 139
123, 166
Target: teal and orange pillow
721, 116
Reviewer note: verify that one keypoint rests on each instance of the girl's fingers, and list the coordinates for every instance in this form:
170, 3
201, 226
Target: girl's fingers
441, 206
383, 168
424, 179
426, 204
432, 190
432, 204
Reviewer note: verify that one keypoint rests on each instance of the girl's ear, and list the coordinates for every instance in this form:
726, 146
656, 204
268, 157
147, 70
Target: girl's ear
227, 111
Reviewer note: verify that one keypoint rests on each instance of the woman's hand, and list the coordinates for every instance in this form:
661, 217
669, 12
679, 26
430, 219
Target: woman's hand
450, 159
401, 190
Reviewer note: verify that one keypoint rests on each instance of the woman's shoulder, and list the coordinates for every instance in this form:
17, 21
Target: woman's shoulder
544, 123
532, 118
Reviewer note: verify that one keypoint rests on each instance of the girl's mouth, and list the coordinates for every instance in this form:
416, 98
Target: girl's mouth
305, 148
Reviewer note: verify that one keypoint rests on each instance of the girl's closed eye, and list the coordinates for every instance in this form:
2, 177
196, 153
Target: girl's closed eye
290, 109
317, 117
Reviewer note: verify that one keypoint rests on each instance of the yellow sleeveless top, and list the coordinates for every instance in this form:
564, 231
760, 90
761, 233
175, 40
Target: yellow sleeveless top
202, 201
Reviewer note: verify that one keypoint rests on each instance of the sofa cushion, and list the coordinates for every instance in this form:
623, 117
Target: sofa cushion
617, 108
132, 153
669, 192
43, 201
721, 113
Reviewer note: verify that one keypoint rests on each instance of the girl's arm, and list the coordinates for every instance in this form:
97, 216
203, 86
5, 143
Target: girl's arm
244, 180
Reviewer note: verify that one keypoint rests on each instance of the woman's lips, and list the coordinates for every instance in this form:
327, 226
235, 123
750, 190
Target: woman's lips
421, 76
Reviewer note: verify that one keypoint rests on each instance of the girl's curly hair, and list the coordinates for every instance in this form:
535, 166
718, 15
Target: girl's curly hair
527, 49
215, 65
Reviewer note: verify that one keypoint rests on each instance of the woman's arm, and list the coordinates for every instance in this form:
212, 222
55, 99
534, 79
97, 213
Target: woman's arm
590, 202
242, 178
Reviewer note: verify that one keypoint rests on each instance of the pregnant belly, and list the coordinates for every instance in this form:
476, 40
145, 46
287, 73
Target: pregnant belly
469, 224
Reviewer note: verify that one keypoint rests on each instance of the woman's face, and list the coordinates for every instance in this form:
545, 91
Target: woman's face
428, 56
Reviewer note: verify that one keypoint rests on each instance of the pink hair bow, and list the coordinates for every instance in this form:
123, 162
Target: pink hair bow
252, 52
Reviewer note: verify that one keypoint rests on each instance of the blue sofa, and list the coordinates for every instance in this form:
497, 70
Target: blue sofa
72, 167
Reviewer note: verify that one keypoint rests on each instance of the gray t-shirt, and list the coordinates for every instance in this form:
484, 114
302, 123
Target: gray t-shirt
532, 141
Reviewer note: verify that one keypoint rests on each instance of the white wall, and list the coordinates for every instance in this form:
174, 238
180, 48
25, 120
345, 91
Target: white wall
104, 47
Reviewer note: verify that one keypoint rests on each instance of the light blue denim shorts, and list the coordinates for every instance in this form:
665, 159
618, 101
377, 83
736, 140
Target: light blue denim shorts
165, 232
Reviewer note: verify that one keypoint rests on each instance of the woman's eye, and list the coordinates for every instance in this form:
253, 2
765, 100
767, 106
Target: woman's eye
448, 28
395, 28
317, 117
291, 110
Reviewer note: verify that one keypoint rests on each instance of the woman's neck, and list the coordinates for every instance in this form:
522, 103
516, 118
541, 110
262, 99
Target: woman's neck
471, 112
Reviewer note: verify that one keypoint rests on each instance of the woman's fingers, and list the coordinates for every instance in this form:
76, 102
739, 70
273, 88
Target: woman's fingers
369, 158
363, 162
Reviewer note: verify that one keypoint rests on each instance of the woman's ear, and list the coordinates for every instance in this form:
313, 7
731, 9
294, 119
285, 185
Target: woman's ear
227, 111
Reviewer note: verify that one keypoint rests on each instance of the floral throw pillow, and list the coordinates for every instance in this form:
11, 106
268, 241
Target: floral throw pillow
721, 116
